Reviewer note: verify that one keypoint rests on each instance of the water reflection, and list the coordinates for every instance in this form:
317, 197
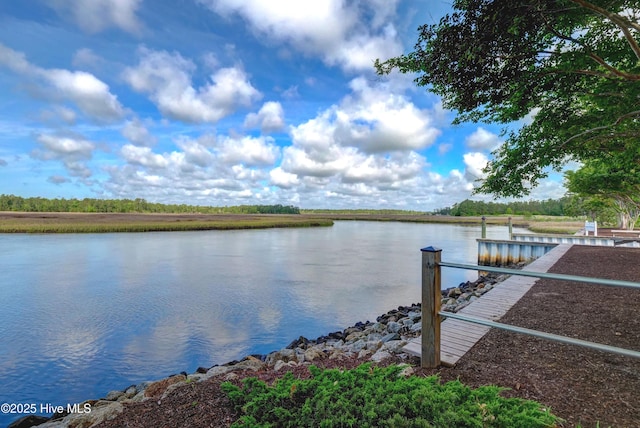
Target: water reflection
85, 314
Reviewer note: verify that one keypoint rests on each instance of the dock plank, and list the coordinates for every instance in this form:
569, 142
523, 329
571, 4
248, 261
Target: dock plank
457, 337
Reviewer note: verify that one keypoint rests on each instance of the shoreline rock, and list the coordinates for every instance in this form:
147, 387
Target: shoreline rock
375, 341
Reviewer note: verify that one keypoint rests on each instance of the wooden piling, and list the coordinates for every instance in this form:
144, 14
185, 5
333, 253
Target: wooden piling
431, 296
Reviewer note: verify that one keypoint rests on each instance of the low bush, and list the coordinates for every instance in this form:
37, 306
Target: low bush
369, 396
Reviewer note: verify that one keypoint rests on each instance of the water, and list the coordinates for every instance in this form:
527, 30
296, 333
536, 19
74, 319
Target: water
85, 314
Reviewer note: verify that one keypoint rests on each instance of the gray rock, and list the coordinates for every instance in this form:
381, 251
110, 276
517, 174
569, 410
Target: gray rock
390, 336
414, 315
416, 327
374, 336
114, 395
393, 327
395, 346
283, 354
380, 355
100, 412
358, 346
374, 345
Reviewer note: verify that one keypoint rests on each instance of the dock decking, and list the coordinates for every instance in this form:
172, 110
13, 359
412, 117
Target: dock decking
457, 337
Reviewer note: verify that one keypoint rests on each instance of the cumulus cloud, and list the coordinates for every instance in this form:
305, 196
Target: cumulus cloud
196, 152
248, 151
73, 151
91, 95
283, 179
475, 163
349, 34
371, 120
138, 134
94, 16
482, 139
166, 78
367, 146
270, 118
143, 156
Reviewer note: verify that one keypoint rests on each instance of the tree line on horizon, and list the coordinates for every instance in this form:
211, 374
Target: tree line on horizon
138, 205
558, 207
550, 207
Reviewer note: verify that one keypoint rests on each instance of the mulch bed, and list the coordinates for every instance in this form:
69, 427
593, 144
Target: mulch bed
580, 385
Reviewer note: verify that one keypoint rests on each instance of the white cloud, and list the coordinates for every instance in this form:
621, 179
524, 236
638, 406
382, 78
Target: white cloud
136, 132
166, 77
94, 16
371, 119
14, 61
359, 51
475, 163
196, 153
90, 94
482, 139
349, 34
248, 150
143, 156
270, 118
283, 179
72, 151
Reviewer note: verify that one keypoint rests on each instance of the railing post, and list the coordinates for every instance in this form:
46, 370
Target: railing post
484, 227
431, 296
510, 229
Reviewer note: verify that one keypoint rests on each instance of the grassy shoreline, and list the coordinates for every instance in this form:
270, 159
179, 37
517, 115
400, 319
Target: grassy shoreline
29, 222
54, 222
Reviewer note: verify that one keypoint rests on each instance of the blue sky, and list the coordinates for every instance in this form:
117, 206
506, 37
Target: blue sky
229, 102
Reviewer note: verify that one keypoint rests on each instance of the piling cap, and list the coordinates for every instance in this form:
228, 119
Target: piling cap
431, 249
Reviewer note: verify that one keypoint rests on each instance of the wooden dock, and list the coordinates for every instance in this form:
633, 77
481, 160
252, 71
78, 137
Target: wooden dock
457, 337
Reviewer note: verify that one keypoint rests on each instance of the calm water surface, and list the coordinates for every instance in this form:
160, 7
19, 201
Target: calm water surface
85, 314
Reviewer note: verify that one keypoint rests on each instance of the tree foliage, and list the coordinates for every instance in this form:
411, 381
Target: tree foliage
551, 207
574, 65
611, 178
89, 205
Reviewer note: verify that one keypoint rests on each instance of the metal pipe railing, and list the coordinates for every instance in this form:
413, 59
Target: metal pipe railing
545, 275
543, 335
431, 314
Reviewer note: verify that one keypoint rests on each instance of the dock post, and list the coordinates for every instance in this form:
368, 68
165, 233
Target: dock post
484, 227
431, 296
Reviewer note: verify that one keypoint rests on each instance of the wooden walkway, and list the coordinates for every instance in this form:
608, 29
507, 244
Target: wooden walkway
457, 337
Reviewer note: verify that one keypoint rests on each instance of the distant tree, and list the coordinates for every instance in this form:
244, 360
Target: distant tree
574, 65
610, 178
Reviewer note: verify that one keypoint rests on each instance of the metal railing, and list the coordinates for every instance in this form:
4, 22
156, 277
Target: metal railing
432, 316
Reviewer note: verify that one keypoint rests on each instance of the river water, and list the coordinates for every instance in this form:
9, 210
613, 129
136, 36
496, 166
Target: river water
83, 314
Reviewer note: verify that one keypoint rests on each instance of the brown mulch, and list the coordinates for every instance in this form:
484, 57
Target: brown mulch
580, 385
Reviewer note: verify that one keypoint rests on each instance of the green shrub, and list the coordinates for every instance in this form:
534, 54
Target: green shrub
369, 396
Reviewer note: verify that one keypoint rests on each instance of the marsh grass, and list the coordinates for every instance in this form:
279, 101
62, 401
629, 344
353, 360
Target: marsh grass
144, 224
21, 222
